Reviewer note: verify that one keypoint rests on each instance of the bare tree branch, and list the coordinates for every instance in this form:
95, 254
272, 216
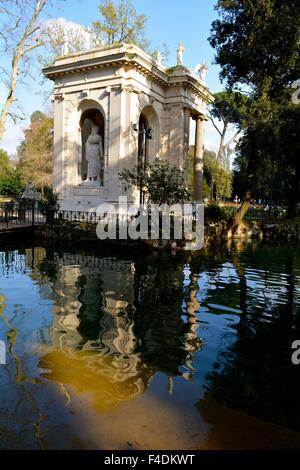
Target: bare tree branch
19, 51
233, 139
15, 116
213, 122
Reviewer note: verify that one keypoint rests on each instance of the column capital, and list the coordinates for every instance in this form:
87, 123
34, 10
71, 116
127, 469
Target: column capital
199, 117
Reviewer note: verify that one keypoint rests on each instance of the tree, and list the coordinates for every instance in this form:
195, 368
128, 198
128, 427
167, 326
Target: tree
257, 43
229, 107
257, 46
59, 35
288, 154
48, 205
36, 152
11, 184
276, 177
5, 164
119, 22
19, 38
161, 182
217, 177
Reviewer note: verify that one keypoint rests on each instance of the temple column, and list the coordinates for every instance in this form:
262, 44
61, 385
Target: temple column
198, 160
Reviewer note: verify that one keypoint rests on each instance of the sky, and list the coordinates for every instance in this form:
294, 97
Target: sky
169, 21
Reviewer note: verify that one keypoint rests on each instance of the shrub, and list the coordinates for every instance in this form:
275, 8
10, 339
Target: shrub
161, 182
12, 185
215, 213
48, 205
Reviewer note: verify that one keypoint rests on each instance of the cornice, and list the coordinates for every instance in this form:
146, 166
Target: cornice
129, 57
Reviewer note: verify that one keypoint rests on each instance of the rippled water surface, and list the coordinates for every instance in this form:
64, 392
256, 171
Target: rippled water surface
117, 351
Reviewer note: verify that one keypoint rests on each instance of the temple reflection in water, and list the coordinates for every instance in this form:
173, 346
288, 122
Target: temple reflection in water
116, 322
123, 351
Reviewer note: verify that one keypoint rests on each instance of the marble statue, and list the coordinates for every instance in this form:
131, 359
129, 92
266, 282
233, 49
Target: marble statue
202, 70
31, 193
94, 155
180, 52
158, 57
65, 47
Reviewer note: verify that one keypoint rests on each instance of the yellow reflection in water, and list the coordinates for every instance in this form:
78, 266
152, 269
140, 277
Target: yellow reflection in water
110, 379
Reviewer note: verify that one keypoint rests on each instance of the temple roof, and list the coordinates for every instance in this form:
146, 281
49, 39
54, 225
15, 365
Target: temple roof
132, 57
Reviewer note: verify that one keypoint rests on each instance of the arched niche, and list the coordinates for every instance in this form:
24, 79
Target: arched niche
148, 149
143, 148
91, 115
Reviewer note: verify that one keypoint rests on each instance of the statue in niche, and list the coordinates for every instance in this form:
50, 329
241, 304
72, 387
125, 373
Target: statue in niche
94, 155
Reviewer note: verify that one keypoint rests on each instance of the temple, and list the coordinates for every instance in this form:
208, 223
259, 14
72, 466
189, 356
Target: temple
114, 106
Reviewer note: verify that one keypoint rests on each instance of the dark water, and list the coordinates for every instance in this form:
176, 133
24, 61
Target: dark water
118, 351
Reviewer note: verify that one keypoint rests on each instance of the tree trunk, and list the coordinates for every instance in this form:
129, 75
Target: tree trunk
222, 145
237, 219
234, 223
10, 94
20, 50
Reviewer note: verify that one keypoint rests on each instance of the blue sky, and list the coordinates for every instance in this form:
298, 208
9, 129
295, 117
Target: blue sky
169, 21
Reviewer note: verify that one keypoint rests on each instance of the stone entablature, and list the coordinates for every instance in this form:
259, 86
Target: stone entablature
112, 88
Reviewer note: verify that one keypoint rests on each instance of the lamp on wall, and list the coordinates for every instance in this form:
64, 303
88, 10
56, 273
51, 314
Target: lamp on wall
147, 132
144, 134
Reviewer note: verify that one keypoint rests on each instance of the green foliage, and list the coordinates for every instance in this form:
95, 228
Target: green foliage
48, 205
12, 185
36, 151
222, 183
161, 182
257, 42
119, 22
277, 144
5, 164
215, 213
230, 107
258, 46
217, 180
49, 200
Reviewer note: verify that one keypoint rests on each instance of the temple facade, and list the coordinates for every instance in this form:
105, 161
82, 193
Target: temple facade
114, 106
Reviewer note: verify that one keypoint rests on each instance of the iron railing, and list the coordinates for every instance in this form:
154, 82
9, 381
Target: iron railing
78, 216
13, 214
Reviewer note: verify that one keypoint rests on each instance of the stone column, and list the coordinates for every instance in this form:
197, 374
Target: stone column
58, 153
115, 142
198, 160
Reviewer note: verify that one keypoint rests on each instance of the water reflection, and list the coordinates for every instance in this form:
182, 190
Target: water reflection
207, 335
116, 323
255, 373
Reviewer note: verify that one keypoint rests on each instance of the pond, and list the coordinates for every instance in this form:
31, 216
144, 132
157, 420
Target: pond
114, 350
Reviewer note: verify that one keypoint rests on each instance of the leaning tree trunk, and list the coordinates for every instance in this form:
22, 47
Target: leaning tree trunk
234, 223
237, 219
222, 144
10, 95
